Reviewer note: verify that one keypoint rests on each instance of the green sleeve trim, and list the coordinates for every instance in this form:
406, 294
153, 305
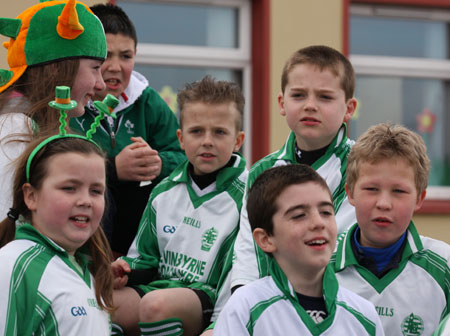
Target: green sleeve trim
25, 279
443, 327
49, 324
437, 267
366, 323
257, 311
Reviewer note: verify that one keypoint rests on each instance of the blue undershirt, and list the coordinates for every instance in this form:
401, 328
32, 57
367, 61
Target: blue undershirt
381, 256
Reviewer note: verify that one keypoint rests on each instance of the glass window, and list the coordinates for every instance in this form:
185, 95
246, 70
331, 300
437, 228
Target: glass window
184, 24
398, 37
402, 67
168, 80
419, 104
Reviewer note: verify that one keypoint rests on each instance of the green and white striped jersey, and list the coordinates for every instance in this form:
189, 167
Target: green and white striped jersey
251, 262
186, 232
269, 306
411, 299
43, 293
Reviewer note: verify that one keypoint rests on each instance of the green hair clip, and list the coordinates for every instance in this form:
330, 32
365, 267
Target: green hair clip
64, 103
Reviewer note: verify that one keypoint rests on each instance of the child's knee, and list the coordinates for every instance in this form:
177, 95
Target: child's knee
153, 307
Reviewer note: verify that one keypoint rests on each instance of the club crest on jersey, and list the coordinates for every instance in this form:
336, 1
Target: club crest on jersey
412, 325
208, 239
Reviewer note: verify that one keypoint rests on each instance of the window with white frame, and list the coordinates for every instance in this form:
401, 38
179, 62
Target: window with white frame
180, 41
402, 64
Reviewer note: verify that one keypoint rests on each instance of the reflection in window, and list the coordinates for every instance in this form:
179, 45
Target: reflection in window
168, 80
419, 104
398, 37
207, 26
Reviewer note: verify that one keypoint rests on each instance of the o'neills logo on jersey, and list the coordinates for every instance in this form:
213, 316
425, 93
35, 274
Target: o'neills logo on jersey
192, 222
385, 311
412, 325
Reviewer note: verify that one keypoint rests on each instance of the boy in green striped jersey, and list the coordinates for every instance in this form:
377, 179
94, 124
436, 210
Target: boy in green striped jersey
191, 220
382, 257
291, 213
316, 98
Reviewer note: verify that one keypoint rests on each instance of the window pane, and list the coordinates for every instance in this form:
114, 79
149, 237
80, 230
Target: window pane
168, 80
206, 26
419, 104
398, 37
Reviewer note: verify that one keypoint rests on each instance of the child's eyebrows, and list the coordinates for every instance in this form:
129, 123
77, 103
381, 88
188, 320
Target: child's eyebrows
297, 207
308, 206
322, 204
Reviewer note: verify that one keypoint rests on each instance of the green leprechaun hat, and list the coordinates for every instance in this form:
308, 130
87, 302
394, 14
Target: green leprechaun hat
49, 31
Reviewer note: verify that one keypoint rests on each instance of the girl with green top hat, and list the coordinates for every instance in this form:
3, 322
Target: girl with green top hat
51, 43
55, 258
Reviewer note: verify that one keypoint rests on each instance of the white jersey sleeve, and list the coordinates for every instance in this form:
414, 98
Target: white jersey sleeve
245, 264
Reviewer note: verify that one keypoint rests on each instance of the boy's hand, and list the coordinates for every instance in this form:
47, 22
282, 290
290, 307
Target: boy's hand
138, 162
120, 269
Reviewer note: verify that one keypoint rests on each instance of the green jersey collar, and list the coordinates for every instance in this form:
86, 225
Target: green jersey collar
287, 152
345, 257
330, 288
225, 176
29, 232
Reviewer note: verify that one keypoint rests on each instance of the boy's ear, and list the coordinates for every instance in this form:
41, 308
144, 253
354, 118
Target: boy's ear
264, 241
29, 196
180, 138
420, 199
239, 141
349, 195
281, 103
351, 108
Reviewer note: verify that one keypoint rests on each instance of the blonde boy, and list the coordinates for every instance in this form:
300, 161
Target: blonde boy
316, 99
382, 257
292, 217
191, 220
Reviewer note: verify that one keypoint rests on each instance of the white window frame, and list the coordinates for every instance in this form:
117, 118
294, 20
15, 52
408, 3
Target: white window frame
404, 66
193, 56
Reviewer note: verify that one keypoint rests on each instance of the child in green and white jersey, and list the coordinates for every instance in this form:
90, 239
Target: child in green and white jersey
291, 212
56, 277
316, 98
382, 257
191, 220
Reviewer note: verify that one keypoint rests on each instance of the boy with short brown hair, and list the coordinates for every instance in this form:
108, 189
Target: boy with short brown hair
382, 257
191, 220
317, 100
292, 216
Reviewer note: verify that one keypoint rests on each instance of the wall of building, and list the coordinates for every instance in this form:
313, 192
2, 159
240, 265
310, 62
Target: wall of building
433, 225
294, 25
